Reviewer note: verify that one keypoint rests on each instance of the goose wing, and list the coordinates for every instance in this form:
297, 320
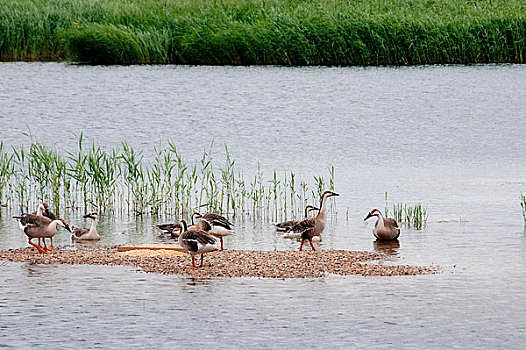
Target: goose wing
33, 220
285, 225
390, 222
217, 220
305, 228
195, 240
78, 232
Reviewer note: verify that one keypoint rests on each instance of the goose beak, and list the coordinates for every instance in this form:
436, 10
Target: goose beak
334, 194
368, 216
88, 216
315, 208
67, 228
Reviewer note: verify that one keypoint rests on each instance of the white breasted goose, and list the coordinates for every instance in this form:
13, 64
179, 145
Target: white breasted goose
385, 229
88, 234
287, 225
36, 226
219, 226
309, 228
196, 241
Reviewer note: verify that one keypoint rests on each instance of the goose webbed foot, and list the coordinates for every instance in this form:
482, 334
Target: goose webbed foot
39, 248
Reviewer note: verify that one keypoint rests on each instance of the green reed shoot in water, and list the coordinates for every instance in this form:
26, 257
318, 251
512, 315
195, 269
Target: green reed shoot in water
121, 179
411, 216
523, 205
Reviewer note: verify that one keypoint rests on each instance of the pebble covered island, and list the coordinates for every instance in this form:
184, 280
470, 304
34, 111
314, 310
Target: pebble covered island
228, 263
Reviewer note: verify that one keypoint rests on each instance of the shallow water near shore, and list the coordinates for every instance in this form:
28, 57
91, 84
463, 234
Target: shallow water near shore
451, 137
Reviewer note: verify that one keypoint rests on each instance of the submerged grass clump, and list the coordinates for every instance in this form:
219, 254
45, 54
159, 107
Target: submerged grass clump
414, 216
283, 32
121, 180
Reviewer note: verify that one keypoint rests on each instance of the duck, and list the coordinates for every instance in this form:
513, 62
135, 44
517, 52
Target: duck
385, 229
88, 234
309, 228
37, 226
219, 226
196, 241
287, 225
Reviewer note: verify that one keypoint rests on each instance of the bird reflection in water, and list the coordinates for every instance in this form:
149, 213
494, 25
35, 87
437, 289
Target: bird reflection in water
387, 247
198, 281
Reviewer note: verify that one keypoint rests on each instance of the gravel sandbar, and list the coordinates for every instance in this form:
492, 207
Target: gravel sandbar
228, 263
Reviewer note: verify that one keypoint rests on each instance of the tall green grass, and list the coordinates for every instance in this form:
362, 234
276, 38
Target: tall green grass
283, 32
121, 180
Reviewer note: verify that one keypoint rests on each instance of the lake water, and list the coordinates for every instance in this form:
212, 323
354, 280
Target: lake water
450, 137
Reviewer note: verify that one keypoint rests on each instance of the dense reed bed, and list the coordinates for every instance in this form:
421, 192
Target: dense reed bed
282, 32
121, 180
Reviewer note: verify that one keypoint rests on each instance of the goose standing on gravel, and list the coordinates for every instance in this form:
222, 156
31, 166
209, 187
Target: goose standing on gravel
88, 234
196, 241
219, 226
309, 228
43, 210
287, 225
36, 226
385, 229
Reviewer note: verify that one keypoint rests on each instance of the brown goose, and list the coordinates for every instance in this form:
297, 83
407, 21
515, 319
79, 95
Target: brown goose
36, 226
309, 228
43, 210
287, 225
385, 229
196, 241
219, 226
88, 234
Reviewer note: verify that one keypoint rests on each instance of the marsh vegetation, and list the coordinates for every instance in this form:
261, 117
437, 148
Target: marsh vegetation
275, 32
121, 180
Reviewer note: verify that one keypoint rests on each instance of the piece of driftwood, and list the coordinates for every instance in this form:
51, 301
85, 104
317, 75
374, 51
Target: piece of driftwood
125, 248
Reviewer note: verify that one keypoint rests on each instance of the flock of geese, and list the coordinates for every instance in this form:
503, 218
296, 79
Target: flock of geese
43, 223
206, 232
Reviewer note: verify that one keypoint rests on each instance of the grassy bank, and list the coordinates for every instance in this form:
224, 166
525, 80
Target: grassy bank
283, 32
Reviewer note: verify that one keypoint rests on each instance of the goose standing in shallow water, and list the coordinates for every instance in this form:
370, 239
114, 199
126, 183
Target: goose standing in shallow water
309, 228
219, 226
385, 229
36, 226
88, 234
196, 241
172, 229
287, 225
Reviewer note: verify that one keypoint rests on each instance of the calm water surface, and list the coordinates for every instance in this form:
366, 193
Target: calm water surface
450, 137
